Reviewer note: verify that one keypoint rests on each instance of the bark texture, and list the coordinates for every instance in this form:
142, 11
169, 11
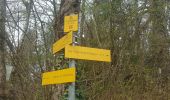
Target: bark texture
2, 50
67, 7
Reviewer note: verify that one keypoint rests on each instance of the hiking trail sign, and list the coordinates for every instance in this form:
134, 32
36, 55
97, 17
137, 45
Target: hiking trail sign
72, 52
86, 53
59, 76
60, 44
71, 23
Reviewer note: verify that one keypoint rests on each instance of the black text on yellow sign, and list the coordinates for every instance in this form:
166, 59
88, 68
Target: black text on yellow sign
71, 23
59, 77
78, 52
60, 44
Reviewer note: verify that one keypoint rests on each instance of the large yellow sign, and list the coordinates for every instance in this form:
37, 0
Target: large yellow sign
58, 77
60, 44
71, 23
86, 53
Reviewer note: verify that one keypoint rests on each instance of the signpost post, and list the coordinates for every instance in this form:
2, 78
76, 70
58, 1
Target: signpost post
71, 92
71, 25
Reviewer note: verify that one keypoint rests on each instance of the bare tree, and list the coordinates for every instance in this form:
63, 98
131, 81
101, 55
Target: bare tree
2, 49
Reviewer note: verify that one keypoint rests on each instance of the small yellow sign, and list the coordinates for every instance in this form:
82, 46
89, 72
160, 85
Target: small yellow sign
86, 53
60, 44
59, 77
71, 23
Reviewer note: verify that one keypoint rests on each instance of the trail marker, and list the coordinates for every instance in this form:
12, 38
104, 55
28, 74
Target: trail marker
73, 52
86, 53
60, 44
71, 23
59, 77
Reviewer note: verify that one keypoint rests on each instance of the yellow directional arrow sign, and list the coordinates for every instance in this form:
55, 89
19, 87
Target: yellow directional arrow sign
71, 23
58, 77
60, 44
86, 53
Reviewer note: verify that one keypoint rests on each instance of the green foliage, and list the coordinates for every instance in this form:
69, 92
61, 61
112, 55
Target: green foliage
137, 34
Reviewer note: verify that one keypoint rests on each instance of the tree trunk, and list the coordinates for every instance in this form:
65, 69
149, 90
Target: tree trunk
67, 7
2, 50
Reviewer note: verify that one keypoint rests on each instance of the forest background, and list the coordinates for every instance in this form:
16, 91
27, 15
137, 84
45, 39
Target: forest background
136, 31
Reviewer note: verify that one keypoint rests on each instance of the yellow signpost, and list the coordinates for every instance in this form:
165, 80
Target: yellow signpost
86, 53
60, 44
71, 23
75, 52
58, 77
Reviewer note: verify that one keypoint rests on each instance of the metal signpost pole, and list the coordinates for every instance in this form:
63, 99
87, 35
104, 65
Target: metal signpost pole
72, 63
71, 91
